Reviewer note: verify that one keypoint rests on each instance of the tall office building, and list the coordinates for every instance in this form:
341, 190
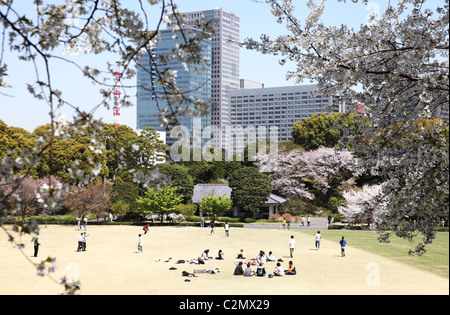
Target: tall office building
225, 63
279, 107
193, 80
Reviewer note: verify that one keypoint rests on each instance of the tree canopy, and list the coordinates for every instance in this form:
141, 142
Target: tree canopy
250, 188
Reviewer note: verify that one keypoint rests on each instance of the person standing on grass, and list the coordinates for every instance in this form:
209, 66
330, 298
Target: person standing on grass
80, 242
79, 222
85, 222
84, 241
227, 229
283, 224
211, 225
292, 246
36, 247
318, 238
140, 244
343, 242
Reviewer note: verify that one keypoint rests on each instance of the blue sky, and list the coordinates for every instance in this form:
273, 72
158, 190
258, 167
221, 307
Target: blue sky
20, 109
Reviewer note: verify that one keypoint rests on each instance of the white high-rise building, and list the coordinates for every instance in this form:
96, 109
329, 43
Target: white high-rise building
225, 63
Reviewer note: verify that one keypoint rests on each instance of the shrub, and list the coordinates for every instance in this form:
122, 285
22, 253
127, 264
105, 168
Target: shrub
227, 219
274, 217
193, 218
287, 217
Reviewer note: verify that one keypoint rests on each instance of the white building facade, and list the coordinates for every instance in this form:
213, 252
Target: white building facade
280, 107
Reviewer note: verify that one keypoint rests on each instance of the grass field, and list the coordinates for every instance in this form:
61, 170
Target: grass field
112, 264
435, 260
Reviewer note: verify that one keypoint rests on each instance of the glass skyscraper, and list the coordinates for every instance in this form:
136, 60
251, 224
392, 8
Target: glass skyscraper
194, 80
225, 64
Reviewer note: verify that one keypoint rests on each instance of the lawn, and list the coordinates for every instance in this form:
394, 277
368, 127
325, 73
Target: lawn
435, 260
112, 264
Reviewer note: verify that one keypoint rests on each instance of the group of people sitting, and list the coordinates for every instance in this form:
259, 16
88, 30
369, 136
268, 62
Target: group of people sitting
260, 260
261, 271
205, 255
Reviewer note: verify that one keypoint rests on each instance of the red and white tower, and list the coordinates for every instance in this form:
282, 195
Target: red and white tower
116, 94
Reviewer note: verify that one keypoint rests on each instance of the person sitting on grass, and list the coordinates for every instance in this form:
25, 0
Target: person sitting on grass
205, 255
248, 271
261, 271
278, 270
221, 255
241, 255
291, 269
239, 271
271, 257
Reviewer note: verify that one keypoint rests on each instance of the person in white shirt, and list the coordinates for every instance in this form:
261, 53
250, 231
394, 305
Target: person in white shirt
278, 270
227, 229
318, 237
80, 242
292, 246
85, 220
140, 244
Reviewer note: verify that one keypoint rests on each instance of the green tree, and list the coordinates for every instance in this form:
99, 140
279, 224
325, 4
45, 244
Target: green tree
163, 201
316, 132
120, 208
14, 144
215, 206
250, 188
179, 177
187, 210
127, 193
71, 159
149, 149
118, 141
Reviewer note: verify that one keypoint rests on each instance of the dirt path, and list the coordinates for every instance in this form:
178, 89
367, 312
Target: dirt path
112, 264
